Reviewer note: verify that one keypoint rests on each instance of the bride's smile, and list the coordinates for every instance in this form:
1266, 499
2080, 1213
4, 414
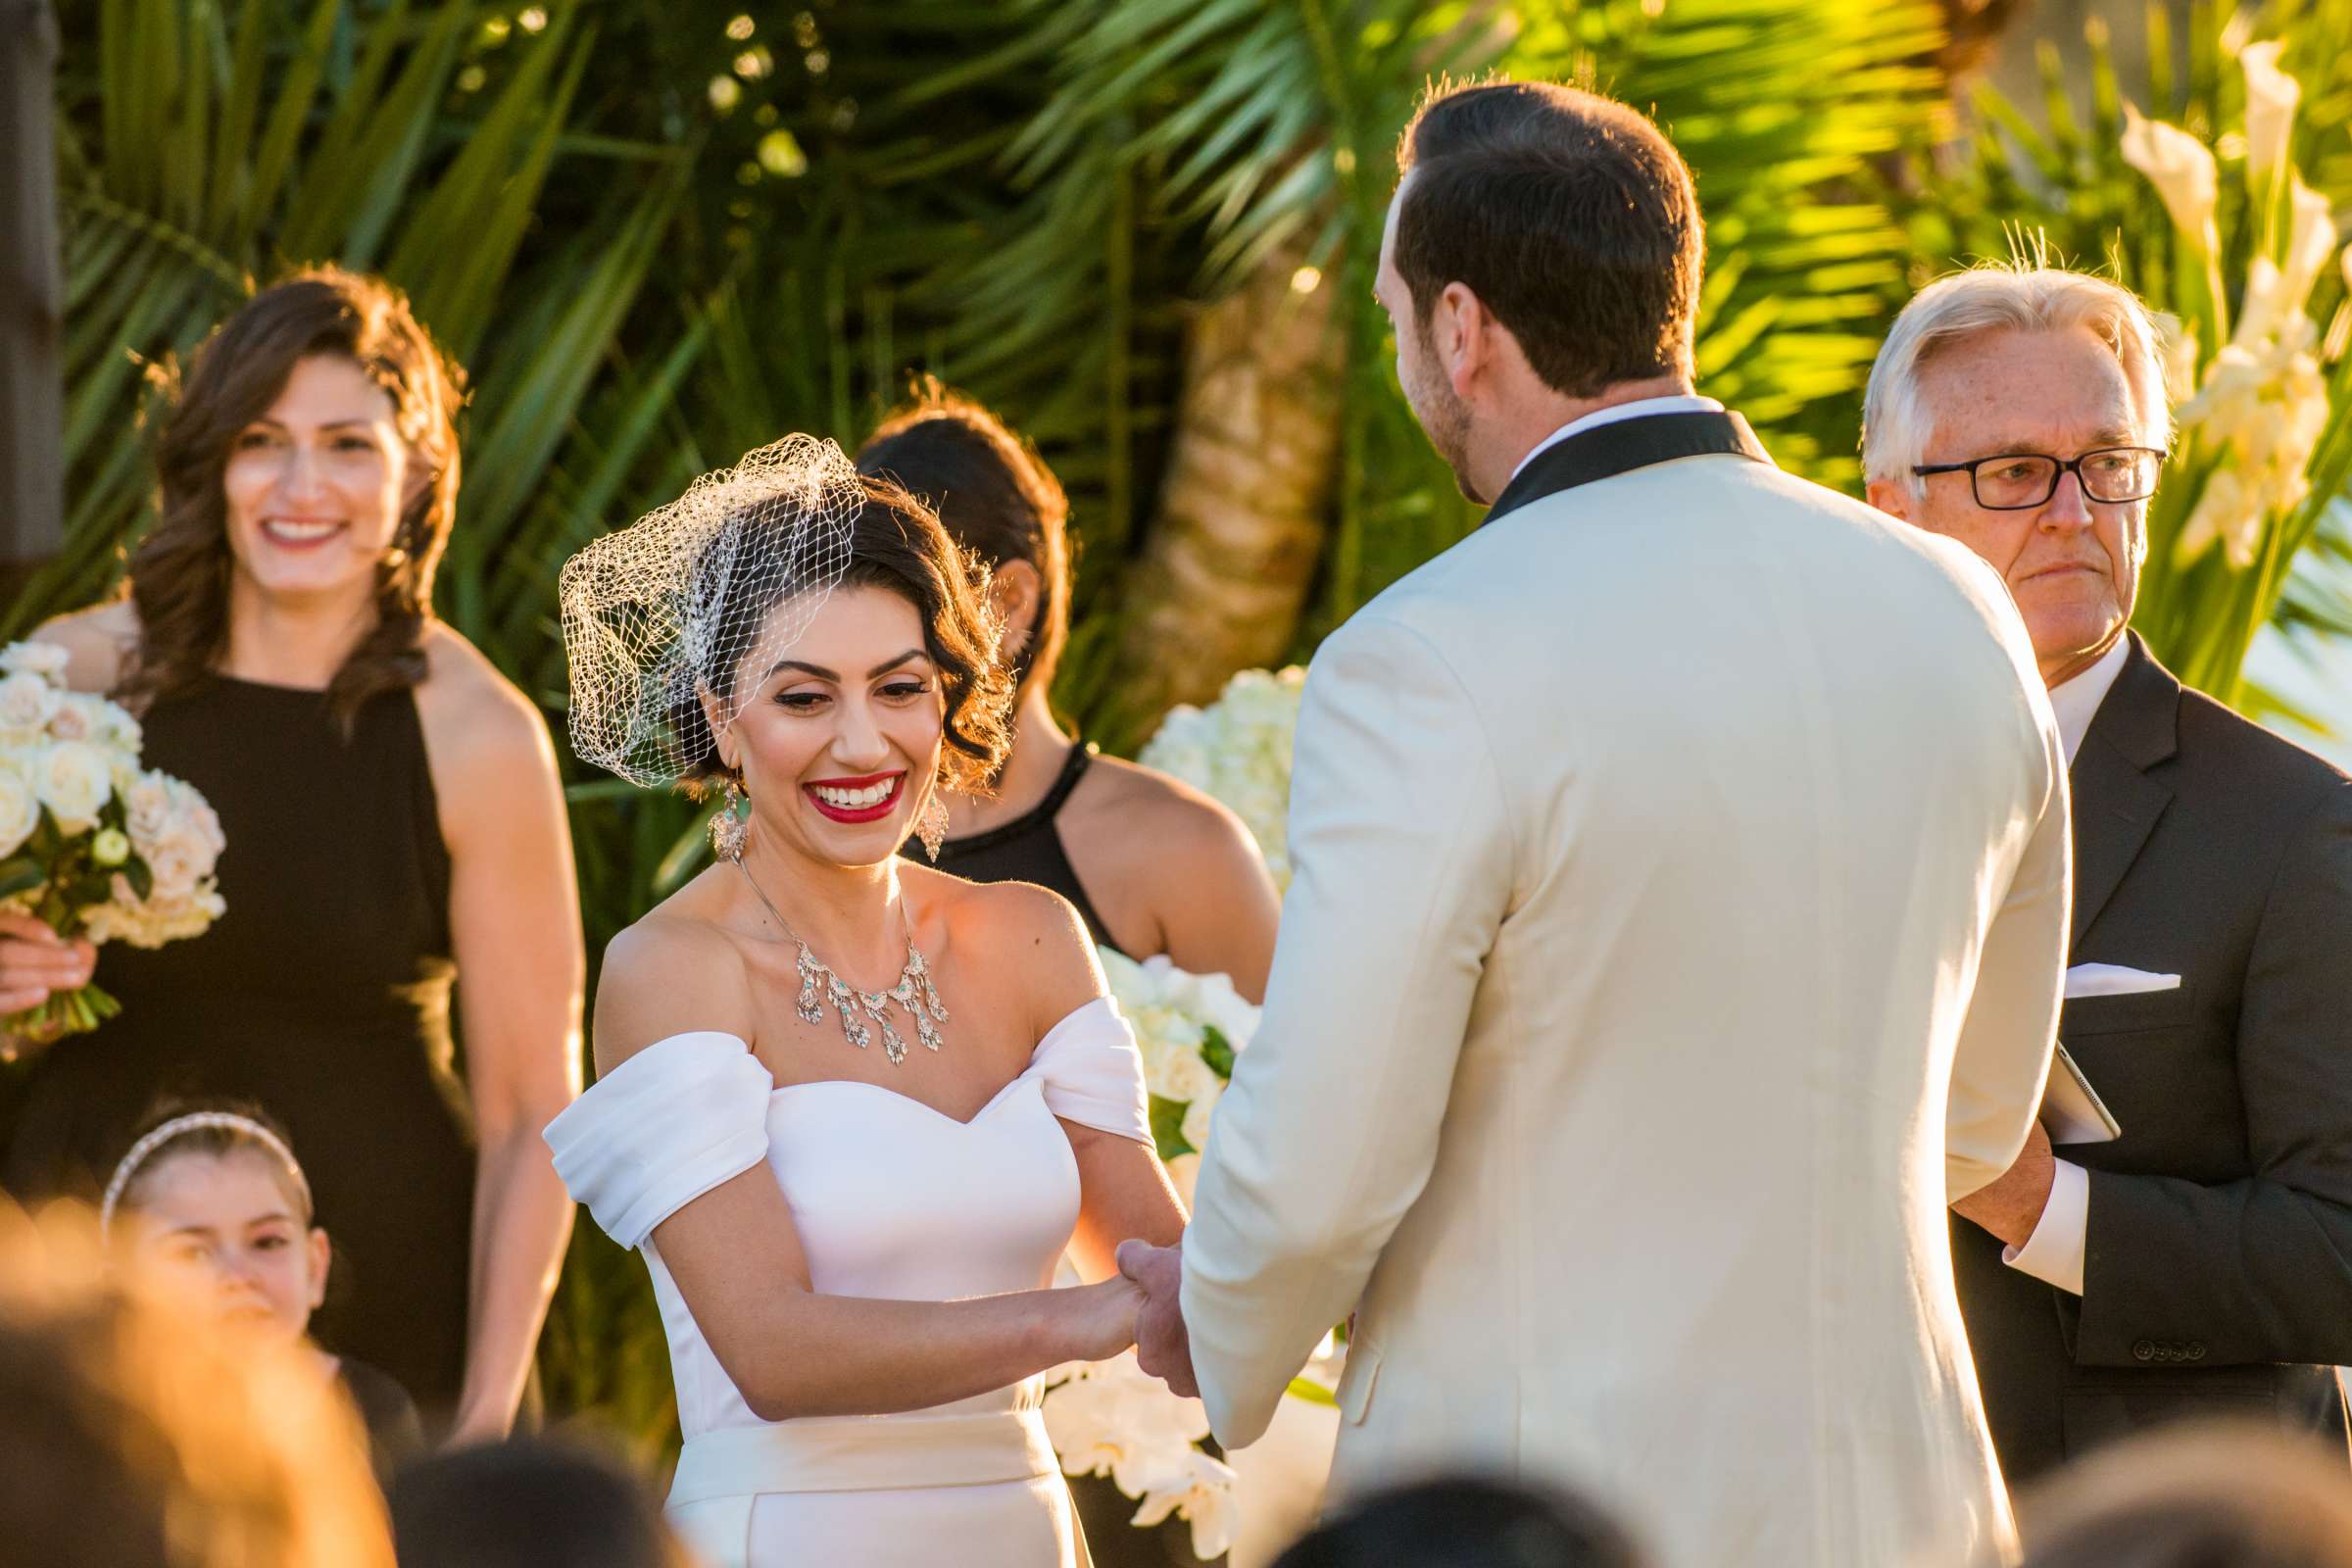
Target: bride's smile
846, 718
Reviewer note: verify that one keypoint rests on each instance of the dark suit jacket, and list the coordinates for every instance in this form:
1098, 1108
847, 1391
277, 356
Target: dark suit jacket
2218, 1275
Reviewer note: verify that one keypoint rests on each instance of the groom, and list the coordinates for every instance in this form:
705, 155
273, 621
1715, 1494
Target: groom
1679, 898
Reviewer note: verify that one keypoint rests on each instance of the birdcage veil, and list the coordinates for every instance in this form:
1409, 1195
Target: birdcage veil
661, 615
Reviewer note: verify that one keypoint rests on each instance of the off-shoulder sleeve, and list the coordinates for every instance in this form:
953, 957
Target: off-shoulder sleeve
661, 1129
1094, 1075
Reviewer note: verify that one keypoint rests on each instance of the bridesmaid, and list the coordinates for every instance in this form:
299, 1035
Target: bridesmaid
394, 822
1152, 865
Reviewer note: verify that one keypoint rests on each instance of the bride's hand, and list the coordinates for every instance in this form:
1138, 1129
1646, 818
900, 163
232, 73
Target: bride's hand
1099, 1319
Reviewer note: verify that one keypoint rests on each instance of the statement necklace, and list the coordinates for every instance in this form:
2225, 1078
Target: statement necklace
915, 991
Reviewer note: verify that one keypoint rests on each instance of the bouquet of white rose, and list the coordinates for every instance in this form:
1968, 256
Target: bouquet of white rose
1238, 749
90, 844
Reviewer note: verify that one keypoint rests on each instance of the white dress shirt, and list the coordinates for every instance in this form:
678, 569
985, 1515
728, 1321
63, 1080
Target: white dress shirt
2054, 1252
1672, 403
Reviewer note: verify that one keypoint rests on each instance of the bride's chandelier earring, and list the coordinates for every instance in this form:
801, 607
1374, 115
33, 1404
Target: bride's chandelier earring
730, 822
932, 825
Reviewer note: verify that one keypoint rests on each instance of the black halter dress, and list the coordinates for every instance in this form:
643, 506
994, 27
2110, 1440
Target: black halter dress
323, 994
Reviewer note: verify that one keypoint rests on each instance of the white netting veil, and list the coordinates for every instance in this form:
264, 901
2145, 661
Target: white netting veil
680, 606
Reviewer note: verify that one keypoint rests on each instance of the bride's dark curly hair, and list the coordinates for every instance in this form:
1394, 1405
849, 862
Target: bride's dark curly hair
896, 544
179, 572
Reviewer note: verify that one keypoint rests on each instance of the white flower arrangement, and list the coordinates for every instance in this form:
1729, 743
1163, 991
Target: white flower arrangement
1112, 1418
2264, 442
90, 843
1238, 750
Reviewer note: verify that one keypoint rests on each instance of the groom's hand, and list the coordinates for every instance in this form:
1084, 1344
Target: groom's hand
1162, 1345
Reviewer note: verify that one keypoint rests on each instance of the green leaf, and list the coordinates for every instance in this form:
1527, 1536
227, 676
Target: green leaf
1167, 1128
1217, 1051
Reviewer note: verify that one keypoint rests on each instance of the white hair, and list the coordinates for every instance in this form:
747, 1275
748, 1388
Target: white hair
1896, 418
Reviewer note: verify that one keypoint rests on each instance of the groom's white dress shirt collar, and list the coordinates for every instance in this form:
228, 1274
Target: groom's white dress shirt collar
2053, 1254
1674, 402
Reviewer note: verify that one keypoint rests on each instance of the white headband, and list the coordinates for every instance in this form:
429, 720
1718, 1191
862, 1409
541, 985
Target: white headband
178, 1126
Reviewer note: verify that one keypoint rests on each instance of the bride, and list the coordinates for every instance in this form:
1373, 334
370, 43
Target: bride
851, 1110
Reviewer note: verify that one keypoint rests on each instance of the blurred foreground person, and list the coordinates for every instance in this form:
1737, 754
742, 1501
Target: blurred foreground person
527, 1504
2220, 1495
2201, 1263
138, 1432
1468, 1524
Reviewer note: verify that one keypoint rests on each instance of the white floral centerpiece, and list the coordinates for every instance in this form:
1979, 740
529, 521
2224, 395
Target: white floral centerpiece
91, 844
1238, 750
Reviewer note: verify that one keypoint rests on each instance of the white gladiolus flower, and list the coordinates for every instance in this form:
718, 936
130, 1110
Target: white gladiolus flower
73, 779
2271, 98
26, 703
2179, 347
1203, 1496
2224, 511
45, 660
2181, 169
20, 810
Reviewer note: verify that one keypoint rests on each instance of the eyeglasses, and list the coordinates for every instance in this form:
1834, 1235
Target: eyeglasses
2016, 481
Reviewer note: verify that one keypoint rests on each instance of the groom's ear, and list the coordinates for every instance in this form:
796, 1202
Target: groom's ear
1891, 496
1468, 339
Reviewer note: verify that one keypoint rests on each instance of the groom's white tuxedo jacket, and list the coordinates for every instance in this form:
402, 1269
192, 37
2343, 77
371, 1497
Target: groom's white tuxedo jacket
1677, 919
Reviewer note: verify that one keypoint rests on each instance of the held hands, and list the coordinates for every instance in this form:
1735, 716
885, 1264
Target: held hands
1104, 1322
36, 962
2011, 1206
1162, 1346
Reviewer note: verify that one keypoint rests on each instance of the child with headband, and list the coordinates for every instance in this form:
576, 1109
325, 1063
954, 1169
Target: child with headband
212, 1193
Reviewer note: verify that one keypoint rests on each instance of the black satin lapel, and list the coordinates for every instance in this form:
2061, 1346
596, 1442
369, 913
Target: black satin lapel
2116, 807
1621, 446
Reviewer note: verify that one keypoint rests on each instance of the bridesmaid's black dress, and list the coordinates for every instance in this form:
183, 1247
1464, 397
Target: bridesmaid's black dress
1029, 848
323, 994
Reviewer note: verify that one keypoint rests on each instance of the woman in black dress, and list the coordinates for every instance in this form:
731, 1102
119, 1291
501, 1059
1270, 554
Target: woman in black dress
393, 822
1152, 865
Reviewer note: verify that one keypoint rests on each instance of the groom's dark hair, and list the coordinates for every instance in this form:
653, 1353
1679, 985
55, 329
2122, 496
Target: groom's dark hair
1569, 215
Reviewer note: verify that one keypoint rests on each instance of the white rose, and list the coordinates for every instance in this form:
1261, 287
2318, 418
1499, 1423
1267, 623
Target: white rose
1202, 1106
20, 810
27, 702
1173, 1071
45, 660
147, 808
74, 780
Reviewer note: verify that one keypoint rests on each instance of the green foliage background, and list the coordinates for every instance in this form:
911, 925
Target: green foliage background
661, 234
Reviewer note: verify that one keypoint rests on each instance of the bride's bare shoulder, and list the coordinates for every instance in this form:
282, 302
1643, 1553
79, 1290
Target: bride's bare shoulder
98, 642
1019, 928
672, 972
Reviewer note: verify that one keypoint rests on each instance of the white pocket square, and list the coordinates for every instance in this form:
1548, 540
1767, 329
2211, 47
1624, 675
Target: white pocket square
2114, 980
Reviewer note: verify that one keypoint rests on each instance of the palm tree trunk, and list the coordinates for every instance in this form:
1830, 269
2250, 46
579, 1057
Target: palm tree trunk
1244, 507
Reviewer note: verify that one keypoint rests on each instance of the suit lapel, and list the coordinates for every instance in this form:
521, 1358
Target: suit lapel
2116, 799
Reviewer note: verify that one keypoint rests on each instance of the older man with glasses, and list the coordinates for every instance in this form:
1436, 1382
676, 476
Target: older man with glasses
2200, 1263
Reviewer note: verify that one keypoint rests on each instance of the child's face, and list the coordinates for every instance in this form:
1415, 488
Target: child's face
229, 1227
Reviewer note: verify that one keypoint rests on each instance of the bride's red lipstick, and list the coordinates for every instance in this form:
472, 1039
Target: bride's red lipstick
864, 813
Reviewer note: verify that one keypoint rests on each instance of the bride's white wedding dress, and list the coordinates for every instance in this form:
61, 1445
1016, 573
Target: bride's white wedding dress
891, 1199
